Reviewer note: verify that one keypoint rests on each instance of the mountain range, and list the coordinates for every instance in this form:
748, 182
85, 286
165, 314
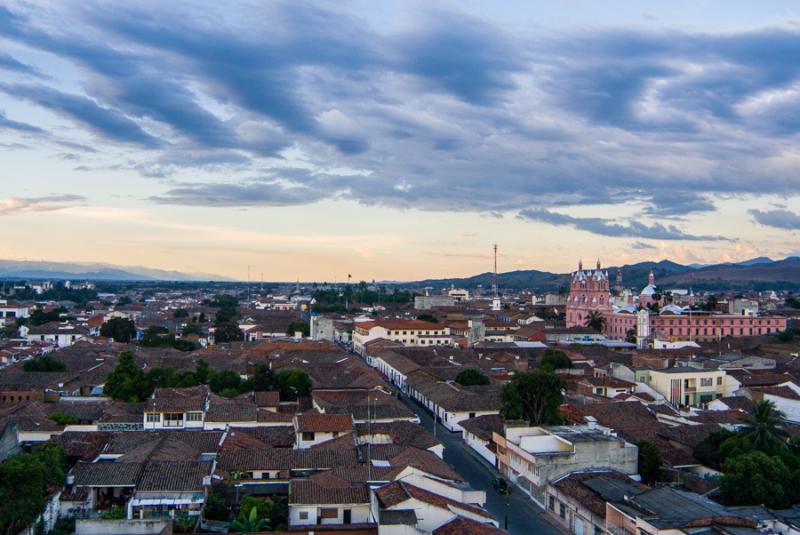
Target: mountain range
34, 269
756, 274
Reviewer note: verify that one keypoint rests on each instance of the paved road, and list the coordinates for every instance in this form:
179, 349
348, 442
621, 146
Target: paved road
524, 516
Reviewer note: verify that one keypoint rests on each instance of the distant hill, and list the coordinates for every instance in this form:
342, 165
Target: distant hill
29, 269
759, 273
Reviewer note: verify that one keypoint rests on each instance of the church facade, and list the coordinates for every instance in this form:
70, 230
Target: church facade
590, 292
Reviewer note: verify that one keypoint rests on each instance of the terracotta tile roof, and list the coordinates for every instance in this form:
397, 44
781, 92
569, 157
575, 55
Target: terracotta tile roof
361, 404
779, 391
741, 403
466, 526
400, 433
174, 475
398, 492
285, 459
327, 489
483, 426
178, 399
398, 324
324, 423
106, 474
575, 486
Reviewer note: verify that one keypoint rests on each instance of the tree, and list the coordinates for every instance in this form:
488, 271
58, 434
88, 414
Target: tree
225, 381
124, 300
754, 479
650, 461
62, 418
711, 303
44, 363
707, 451
227, 332
126, 382
215, 508
249, 523
553, 359
300, 326
120, 329
293, 383
471, 376
180, 313
202, 371
595, 321
261, 380
533, 396
427, 316
26, 479
786, 336
765, 427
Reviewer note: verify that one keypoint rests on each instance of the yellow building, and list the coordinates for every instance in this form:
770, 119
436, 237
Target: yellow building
688, 386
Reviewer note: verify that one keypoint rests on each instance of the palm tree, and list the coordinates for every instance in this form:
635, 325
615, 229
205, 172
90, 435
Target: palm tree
765, 426
250, 524
596, 321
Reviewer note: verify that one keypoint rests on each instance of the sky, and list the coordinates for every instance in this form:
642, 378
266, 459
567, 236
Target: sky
398, 140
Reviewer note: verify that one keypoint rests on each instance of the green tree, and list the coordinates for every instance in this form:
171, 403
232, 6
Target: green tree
227, 332
765, 427
595, 321
707, 451
120, 329
202, 371
553, 359
651, 461
115, 512
711, 303
225, 381
40, 317
44, 363
471, 376
301, 326
215, 507
293, 383
249, 522
261, 380
62, 418
127, 382
533, 396
180, 313
427, 316
26, 479
754, 479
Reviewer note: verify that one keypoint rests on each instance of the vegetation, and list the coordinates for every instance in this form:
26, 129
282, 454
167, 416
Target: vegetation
227, 332
44, 363
553, 359
788, 335
296, 326
471, 376
113, 513
215, 508
62, 418
759, 465
26, 480
57, 293
651, 462
180, 313
427, 316
156, 336
533, 396
595, 321
335, 300
271, 514
120, 329
127, 382
40, 317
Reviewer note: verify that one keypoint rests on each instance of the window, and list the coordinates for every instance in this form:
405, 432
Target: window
719, 380
308, 435
328, 512
562, 511
706, 381
194, 416
153, 417
552, 503
173, 419
303, 515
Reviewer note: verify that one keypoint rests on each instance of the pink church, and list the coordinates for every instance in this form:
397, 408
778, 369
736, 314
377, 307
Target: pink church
589, 291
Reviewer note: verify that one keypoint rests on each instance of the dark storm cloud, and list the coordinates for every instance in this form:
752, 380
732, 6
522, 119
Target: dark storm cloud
451, 114
606, 227
783, 219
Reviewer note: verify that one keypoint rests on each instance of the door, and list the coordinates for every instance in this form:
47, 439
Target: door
578, 526
347, 516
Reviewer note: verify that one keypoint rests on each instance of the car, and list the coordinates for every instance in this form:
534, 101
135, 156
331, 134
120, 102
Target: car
501, 485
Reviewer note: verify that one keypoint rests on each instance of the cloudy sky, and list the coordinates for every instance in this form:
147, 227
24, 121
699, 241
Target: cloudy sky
396, 140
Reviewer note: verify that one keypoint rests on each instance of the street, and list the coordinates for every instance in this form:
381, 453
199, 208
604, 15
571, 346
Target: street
524, 516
